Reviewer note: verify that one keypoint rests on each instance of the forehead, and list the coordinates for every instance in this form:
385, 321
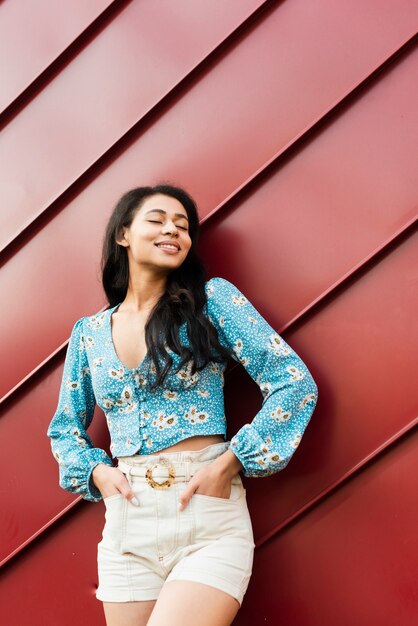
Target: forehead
160, 202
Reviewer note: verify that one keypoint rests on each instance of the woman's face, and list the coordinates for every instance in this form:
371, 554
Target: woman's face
159, 234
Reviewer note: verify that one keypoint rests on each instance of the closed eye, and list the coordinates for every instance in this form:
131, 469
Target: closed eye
157, 222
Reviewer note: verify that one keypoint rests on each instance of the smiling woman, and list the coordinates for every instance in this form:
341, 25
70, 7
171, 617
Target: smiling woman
162, 222
154, 362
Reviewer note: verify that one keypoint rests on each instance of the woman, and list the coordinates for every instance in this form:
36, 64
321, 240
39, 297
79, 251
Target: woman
177, 525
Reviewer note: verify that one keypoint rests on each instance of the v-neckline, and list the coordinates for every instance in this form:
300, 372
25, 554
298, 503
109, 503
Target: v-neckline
115, 356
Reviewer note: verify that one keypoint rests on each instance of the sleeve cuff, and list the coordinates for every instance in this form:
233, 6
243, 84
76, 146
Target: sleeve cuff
256, 454
92, 493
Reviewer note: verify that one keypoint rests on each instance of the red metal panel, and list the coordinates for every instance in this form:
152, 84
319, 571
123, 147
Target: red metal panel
362, 347
341, 357
234, 104
351, 561
112, 83
331, 203
31, 506
332, 225
348, 562
287, 241
54, 583
33, 34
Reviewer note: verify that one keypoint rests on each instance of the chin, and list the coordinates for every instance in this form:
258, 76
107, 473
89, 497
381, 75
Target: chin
170, 266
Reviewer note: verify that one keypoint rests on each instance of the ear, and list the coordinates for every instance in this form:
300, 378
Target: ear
123, 240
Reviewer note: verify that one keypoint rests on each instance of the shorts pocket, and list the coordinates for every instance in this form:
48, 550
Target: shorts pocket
214, 518
115, 496
115, 514
237, 492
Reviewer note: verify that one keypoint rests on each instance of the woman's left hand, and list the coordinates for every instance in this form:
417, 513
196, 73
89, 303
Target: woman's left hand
213, 479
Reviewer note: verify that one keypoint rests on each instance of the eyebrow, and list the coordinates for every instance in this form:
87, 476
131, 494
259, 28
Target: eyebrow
165, 213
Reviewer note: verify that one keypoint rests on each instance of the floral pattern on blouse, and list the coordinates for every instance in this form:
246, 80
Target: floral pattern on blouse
142, 421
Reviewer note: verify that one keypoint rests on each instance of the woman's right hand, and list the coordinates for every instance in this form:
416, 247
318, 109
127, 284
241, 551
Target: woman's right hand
111, 481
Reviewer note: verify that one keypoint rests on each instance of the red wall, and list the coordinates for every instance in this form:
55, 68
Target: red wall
294, 125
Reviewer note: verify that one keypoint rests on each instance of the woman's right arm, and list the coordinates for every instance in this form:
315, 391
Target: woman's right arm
70, 443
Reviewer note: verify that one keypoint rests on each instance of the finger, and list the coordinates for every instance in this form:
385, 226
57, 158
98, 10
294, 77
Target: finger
129, 495
133, 499
185, 497
126, 491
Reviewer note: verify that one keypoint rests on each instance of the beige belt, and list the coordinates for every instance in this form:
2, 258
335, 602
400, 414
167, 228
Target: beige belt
170, 472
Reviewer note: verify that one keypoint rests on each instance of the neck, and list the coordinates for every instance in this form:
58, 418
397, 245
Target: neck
144, 290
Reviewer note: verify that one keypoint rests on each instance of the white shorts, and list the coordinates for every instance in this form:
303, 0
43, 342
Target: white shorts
211, 541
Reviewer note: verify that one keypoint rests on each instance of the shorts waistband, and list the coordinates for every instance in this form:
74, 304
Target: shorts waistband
182, 465
204, 454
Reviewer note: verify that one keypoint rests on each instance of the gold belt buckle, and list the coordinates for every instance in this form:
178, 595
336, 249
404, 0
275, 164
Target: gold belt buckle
167, 483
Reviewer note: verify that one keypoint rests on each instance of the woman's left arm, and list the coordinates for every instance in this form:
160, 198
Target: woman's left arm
290, 394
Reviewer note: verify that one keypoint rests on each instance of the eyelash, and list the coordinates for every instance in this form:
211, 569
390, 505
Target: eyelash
157, 222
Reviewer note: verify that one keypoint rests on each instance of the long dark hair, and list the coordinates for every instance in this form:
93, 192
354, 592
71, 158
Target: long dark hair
184, 297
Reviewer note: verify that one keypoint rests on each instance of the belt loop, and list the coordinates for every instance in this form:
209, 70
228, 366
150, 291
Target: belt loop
187, 472
129, 476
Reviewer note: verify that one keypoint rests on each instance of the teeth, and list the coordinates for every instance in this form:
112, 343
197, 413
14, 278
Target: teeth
168, 246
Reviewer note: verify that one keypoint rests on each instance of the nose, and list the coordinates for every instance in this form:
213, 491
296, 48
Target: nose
170, 228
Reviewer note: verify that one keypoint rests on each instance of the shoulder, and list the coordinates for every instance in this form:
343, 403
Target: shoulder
78, 326
94, 322
223, 291
224, 300
87, 323
220, 286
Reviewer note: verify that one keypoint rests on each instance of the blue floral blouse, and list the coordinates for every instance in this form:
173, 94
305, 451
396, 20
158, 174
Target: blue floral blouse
142, 421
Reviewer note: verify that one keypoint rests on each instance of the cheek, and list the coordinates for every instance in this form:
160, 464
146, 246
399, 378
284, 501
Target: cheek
187, 245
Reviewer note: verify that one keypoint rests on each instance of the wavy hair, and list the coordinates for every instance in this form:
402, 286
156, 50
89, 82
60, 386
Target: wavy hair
184, 298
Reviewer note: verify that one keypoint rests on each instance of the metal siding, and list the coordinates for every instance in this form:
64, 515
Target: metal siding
294, 125
164, 145
33, 35
94, 100
352, 560
361, 345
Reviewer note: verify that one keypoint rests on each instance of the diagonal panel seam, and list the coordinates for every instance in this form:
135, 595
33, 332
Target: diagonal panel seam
40, 531
347, 279
325, 492
356, 468
67, 54
322, 298
302, 510
359, 268
314, 126
106, 157
339, 482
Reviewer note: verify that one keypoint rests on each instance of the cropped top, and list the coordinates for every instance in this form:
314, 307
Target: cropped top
142, 421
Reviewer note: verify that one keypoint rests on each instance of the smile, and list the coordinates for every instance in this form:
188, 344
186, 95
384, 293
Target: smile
168, 247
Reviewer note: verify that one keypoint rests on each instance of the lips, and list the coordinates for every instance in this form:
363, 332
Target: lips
168, 245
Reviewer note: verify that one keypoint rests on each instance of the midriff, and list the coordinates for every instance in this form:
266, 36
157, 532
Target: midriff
193, 443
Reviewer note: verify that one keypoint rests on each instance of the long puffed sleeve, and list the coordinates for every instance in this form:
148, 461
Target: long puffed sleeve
70, 443
290, 394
